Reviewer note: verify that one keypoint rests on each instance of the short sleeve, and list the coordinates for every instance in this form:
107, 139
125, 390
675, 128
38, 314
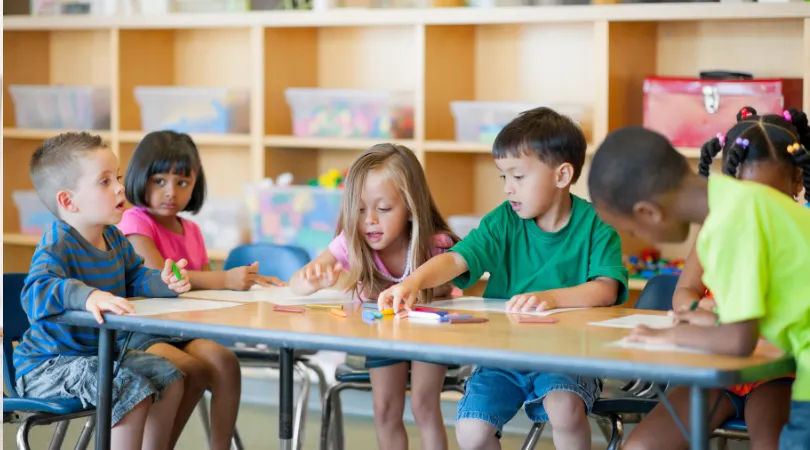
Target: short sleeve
198, 251
340, 250
134, 222
482, 249
735, 264
605, 258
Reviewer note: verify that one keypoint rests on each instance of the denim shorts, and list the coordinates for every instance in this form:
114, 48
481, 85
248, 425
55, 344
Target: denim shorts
141, 375
739, 401
142, 341
796, 434
496, 395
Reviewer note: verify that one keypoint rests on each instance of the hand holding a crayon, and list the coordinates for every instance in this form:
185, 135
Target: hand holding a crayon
399, 296
244, 277
176, 276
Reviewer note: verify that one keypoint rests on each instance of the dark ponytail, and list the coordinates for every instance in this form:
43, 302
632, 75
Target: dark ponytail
707, 153
801, 156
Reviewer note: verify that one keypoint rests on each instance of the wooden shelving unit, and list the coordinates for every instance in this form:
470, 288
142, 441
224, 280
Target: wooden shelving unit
595, 56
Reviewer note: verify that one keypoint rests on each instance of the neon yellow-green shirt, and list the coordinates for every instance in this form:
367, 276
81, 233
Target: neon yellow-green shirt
755, 251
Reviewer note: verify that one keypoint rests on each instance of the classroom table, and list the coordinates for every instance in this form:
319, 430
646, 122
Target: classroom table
570, 345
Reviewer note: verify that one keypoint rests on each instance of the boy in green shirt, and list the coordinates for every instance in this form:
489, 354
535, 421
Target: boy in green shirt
544, 248
754, 247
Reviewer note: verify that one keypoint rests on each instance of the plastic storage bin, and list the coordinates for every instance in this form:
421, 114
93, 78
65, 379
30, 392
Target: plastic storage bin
35, 218
194, 109
482, 121
462, 225
351, 113
303, 216
211, 6
61, 107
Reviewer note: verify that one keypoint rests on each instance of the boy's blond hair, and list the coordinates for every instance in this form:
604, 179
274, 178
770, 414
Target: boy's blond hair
54, 164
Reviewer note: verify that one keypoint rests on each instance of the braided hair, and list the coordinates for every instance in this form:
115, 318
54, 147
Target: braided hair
781, 138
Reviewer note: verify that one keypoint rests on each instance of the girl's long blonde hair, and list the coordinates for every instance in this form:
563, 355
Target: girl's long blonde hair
399, 165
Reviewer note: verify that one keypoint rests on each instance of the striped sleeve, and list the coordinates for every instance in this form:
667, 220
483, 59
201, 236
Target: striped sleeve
48, 291
141, 280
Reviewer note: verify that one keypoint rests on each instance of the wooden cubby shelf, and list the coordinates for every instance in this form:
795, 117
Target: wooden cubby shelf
593, 56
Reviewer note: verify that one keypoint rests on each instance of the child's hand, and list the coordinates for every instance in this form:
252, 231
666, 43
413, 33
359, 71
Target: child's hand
399, 296
244, 277
540, 301
647, 335
320, 276
170, 278
699, 317
99, 301
707, 303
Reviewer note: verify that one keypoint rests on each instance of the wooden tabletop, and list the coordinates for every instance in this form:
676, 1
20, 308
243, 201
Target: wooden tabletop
570, 344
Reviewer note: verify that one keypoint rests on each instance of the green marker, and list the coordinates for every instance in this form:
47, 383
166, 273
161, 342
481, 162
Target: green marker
694, 306
176, 271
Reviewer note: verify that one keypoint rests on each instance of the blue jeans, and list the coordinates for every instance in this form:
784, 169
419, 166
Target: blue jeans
796, 434
496, 395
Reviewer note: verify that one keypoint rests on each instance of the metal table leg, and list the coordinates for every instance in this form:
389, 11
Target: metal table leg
106, 346
699, 418
285, 414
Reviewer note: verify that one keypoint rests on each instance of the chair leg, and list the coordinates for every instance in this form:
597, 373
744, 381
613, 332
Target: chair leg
236, 440
722, 443
534, 436
59, 435
202, 407
322, 385
332, 415
87, 433
612, 429
301, 407
22, 433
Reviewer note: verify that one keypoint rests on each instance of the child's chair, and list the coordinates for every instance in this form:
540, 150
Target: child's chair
280, 261
657, 296
30, 412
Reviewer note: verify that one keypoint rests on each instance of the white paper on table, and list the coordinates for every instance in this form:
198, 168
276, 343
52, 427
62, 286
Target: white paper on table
624, 343
274, 294
153, 306
634, 320
481, 304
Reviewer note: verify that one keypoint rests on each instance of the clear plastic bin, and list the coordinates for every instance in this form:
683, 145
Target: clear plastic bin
302, 216
194, 109
351, 113
211, 6
482, 121
462, 225
61, 107
35, 218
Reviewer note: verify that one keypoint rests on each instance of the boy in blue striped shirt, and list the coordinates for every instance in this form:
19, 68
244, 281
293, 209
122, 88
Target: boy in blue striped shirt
84, 263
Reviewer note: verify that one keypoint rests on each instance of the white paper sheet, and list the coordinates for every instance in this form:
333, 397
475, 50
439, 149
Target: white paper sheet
634, 320
277, 295
489, 305
153, 306
624, 343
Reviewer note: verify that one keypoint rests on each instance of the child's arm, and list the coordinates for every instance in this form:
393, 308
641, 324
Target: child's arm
736, 339
143, 281
48, 291
436, 272
321, 273
599, 292
690, 287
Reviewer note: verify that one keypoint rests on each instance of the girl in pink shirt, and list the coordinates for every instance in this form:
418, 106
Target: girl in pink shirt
164, 177
388, 226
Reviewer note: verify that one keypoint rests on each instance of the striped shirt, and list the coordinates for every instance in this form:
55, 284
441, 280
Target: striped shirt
65, 269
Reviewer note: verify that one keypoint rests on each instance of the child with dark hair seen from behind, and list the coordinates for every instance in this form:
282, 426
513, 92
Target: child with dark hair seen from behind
753, 248
764, 405
544, 249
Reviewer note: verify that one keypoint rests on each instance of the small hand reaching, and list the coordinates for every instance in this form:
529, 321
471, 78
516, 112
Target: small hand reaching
537, 301
399, 296
320, 276
101, 301
244, 277
168, 276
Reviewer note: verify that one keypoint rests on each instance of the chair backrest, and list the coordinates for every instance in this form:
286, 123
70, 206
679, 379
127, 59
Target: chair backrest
15, 323
281, 261
657, 294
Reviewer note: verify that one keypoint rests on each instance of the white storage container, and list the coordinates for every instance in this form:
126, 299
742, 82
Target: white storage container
210, 6
462, 225
482, 121
351, 113
194, 109
61, 107
35, 218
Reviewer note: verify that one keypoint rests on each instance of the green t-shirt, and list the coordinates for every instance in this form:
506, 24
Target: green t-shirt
521, 258
755, 251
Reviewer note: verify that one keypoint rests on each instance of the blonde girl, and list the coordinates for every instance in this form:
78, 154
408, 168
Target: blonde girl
388, 226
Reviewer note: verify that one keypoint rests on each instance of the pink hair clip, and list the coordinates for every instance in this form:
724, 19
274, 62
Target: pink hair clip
722, 138
787, 116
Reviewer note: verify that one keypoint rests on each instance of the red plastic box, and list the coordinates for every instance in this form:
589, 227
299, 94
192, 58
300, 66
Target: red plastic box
690, 111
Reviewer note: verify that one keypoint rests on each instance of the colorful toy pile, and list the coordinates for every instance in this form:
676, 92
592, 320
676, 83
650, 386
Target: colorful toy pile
332, 179
355, 120
649, 264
